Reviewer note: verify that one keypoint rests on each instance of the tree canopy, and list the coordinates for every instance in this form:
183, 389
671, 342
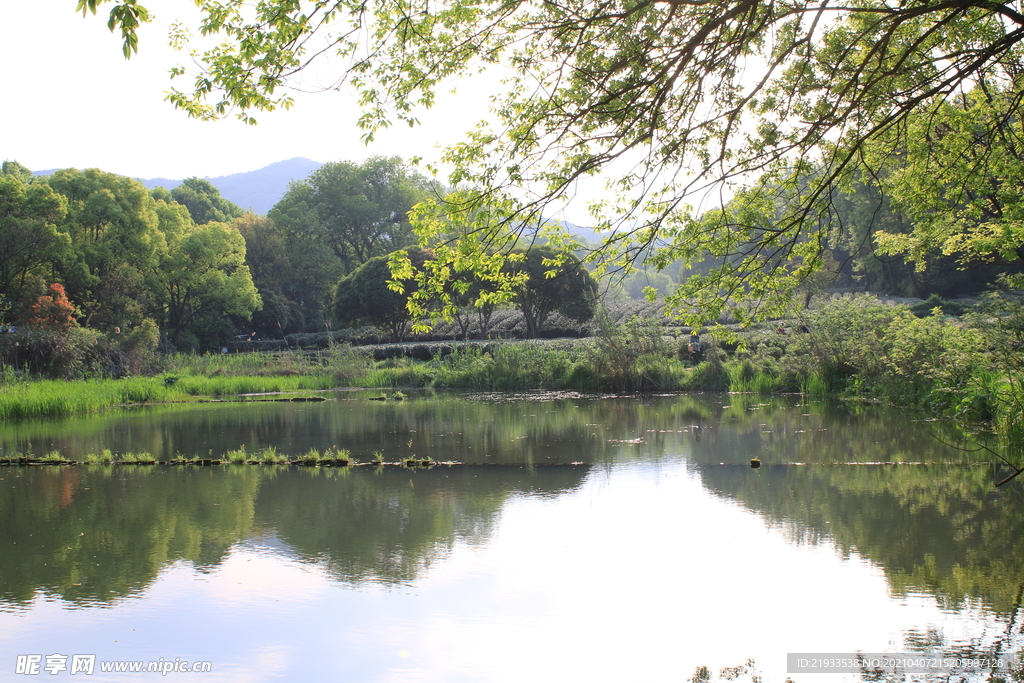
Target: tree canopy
363, 297
98, 249
358, 211
30, 238
676, 102
553, 282
204, 202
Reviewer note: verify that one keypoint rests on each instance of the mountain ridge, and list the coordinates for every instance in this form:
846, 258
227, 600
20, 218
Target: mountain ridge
257, 191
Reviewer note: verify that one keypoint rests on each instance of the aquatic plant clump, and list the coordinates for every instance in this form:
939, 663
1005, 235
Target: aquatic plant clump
335, 456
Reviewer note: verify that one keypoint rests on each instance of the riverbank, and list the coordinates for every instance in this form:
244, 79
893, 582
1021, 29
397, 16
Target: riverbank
965, 367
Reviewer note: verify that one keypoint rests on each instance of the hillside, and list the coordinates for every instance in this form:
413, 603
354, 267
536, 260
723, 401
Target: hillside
256, 191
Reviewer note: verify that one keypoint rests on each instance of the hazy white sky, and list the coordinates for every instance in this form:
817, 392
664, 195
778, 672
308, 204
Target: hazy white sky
70, 99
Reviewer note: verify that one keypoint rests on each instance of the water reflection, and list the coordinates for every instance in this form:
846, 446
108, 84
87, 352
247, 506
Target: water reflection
94, 534
485, 429
941, 530
665, 520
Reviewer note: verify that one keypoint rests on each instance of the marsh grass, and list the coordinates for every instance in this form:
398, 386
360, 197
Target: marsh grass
268, 455
396, 373
515, 366
218, 386
746, 378
815, 384
310, 457
141, 458
331, 456
53, 456
413, 461
238, 456
339, 455
50, 398
55, 398
107, 457
104, 457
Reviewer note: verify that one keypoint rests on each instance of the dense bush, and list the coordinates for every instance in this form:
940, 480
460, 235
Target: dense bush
51, 352
934, 301
860, 346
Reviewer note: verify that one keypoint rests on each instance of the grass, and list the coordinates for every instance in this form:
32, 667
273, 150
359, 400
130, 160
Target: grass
237, 456
332, 455
509, 367
48, 398
106, 457
815, 384
265, 456
54, 398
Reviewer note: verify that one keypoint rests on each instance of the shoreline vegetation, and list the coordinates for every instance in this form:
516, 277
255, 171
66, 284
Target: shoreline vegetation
966, 368
330, 457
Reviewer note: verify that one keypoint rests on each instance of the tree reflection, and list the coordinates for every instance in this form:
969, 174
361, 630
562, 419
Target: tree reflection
939, 530
91, 535
390, 526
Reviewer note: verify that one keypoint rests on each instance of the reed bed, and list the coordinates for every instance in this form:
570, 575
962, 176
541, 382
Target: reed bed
50, 398
55, 398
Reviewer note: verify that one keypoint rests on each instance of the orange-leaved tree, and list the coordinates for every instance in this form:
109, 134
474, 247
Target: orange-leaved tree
53, 311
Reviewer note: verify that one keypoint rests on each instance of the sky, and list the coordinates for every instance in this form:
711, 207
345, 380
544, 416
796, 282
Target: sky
72, 100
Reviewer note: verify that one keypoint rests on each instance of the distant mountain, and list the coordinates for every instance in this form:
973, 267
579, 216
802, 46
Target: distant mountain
588, 234
256, 191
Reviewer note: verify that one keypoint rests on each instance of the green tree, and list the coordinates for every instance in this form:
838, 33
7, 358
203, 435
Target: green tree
30, 236
266, 255
554, 281
203, 273
13, 168
675, 101
204, 202
358, 210
638, 284
114, 226
959, 181
365, 297
338, 218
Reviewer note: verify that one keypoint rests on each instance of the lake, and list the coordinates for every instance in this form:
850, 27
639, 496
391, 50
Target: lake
581, 539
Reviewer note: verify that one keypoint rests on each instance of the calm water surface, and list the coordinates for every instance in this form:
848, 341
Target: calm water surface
584, 539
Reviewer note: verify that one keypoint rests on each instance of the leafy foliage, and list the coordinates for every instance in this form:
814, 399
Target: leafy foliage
30, 238
358, 211
553, 281
204, 202
365, 295
675, 102
123, 255
53, 311
204, 271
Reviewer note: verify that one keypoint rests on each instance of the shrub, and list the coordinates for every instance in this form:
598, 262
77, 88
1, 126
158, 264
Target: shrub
846, 339
928, 306
631, 356
53, 353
